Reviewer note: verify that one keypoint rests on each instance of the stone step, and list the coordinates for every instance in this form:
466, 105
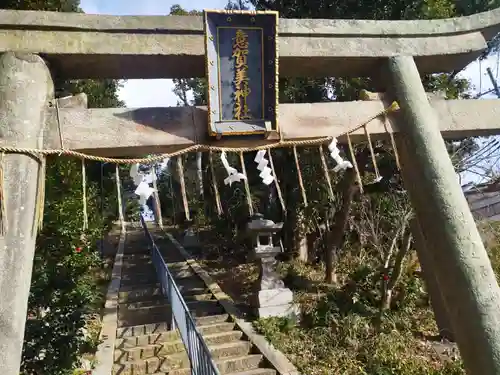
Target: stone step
198, 297
160, 300
134, 279
189, 282
140, 248
137, 266
186, 286
179, 363
136, 241
182, 273
142, 293
146, 265
143, 261
152, 294
170, 253
226, 366
162, 305
217, 337
206, 325
170, 257
158, 315
131, 257
168, 348
150, 277
178, 265
135, 305
255, 371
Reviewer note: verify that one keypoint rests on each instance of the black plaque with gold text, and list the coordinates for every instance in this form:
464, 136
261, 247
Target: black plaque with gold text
242, 71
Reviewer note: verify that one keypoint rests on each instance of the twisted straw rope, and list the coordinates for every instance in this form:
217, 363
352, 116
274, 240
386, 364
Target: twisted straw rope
198, 147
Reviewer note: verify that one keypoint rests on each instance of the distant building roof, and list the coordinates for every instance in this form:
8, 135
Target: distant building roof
487, 187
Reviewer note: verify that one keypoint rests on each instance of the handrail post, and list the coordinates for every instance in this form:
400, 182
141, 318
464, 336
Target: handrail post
190, 346
173, 325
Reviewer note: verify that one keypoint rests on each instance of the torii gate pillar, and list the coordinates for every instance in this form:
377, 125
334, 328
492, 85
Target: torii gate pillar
25, 90
463, 270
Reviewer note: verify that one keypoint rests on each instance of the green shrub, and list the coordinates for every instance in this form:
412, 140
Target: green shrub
63, 288
341, 332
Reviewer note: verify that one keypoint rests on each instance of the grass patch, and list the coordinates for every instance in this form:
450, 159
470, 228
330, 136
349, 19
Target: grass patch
340, 332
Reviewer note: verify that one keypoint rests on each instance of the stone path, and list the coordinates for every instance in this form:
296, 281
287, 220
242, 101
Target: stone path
144, 344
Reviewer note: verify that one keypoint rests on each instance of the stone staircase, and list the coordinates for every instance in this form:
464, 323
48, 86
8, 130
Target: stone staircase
145, 345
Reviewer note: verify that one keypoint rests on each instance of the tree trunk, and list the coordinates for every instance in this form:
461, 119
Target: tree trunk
121, 208
303, 249
300, 236
199, 174
336, 235
396, 271
156, 200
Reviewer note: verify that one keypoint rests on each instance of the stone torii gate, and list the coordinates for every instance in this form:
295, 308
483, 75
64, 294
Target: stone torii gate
39, 45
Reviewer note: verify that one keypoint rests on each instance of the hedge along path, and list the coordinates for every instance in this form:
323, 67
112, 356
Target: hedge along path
41, 154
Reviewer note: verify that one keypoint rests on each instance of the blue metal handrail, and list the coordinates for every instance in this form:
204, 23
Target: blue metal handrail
196, 348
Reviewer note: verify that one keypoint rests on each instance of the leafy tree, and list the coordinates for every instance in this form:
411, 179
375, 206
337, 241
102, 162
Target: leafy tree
48, 5
184, 86
237, 5
100, 94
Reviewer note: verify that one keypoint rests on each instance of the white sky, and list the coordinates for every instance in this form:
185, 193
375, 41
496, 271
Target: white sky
158, 92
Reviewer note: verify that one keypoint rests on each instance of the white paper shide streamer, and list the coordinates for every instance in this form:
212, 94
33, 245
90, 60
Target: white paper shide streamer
342, 164
265, 171
143, 180
232, 173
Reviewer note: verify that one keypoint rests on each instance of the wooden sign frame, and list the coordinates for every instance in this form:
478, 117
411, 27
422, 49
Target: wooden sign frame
241, 52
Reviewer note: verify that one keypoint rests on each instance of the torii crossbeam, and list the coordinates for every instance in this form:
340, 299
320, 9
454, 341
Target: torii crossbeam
125, 132
396, 52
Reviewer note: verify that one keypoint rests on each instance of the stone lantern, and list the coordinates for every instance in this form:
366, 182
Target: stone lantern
190, 236
270, 298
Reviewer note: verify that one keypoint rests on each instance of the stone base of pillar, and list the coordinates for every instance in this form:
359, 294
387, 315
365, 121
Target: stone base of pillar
190, 239
276, 302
